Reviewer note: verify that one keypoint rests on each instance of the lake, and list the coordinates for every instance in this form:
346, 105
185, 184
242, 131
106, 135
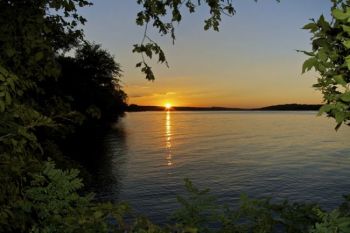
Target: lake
294, 155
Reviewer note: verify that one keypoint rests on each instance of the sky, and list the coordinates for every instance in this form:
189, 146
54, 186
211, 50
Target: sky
251, 62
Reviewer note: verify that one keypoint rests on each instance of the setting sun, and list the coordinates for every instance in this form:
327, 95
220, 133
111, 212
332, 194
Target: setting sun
168, 106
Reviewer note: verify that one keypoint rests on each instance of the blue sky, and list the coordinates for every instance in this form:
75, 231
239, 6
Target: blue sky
251, 62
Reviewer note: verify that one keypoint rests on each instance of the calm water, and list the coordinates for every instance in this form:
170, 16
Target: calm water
293, 155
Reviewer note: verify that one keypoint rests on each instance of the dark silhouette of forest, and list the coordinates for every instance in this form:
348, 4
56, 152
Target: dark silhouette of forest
89, 93
89, 83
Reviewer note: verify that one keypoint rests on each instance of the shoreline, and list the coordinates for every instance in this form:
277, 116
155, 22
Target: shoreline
283, 107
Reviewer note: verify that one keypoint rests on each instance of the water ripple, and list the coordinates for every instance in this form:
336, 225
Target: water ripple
281, 154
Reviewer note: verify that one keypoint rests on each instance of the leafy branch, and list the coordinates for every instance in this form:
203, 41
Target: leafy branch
154, 12
330, 57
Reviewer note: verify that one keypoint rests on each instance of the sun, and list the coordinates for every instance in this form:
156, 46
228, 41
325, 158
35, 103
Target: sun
168, 106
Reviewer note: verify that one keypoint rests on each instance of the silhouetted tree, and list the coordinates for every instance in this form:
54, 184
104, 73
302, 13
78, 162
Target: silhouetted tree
91, 81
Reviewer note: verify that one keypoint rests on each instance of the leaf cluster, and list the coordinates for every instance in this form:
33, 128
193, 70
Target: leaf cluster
200, 212
330, 57
162, 15
39, 102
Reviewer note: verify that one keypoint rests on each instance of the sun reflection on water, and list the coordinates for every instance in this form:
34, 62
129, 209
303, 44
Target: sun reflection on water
168, 138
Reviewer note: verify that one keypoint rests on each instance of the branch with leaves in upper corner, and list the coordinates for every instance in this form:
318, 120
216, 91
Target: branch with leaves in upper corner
162, 15
156, 13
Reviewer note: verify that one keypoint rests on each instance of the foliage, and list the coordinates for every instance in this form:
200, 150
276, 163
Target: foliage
49, 202
330, 57
35, 196
31, 35
197, 210
332, 222
89, 83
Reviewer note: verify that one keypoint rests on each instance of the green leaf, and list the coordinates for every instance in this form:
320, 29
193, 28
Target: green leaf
11, 84
325, 108
39, 56
339, 14
340, 116
2, 106
345, 97
308, 64
346, 43
310, 26
3, 71
323, 23
10, 52
148, 71
322, 55
191, 229
347, 61
98, 214
148, 52
7, 98
340, 80
346, 28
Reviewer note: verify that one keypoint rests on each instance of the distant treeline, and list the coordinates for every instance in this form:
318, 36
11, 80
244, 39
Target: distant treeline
292, 107
138, 108
282, 107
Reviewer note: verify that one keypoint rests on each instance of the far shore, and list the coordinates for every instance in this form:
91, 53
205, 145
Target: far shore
282, 107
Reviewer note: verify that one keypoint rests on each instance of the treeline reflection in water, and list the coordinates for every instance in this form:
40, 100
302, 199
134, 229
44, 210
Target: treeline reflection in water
146, 156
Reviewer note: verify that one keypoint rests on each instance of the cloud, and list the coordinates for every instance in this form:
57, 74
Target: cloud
148, 95
164, 93
137, 95
196, 93
135, 86
171, 93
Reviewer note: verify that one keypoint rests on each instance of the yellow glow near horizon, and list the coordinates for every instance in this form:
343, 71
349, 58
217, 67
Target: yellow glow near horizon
168, 106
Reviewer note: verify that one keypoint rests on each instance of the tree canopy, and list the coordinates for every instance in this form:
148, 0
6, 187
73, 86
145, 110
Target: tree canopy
44, 96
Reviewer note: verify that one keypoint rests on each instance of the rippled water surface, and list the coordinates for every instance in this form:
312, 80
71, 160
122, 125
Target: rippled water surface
293, 155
